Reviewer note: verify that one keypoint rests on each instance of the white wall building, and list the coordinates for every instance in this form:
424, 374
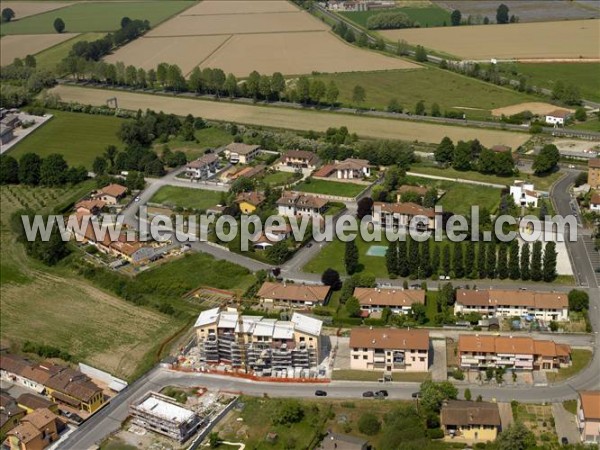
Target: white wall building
524, 194
558, 117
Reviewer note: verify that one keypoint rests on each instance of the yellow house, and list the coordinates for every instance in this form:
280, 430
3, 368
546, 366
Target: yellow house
470, 421
73, 388
31, 402
249, 201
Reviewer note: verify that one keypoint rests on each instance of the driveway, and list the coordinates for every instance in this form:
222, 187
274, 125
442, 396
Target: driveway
565, 422
439, 368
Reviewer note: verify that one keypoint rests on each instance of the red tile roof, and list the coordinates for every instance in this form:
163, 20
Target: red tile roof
389, 338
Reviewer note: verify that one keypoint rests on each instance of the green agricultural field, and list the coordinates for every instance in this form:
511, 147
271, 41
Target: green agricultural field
330, 188
429, 16
186, 197
49, 58
78, 137
586, 76
53, 306
451, 91
96, 16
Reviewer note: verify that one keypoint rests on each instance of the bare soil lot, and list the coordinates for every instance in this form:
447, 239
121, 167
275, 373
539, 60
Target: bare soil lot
528, 11
24, 9
147, 53
292, 119
202, 25
538, 108
19, 46
297, 53
239, 7
519, 40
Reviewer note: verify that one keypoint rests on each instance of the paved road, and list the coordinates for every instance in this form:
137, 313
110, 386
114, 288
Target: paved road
565, 423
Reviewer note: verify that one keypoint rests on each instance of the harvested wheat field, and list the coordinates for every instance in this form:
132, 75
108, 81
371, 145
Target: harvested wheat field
24, 9
242, 54
239, 7
238, 24
538, 108
21, 45
291, 119
242, 36
147, 53
568, 39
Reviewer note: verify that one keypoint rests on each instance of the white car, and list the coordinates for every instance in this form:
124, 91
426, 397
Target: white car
137, 199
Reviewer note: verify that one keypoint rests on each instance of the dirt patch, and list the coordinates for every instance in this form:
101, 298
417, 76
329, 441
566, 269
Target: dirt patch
519, 40
576, 146
24, 9
538, 108
21, 45
292, 119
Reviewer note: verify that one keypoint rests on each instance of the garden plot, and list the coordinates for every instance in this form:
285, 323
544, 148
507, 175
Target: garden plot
518, 41
19, 46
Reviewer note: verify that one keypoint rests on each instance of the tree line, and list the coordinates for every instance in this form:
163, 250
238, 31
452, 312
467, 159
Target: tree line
471, 155
33, 170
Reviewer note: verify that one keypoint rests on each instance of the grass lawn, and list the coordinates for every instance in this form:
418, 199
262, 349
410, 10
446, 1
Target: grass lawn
367, 375
78, 137
460, 197
592, 124
330, 188
540, 182
51, 305
211, 137
571, 406
429, 16
194, 270
186, 197
96, 16
450, 91
49, 58
580, 360
586, 76
278, 178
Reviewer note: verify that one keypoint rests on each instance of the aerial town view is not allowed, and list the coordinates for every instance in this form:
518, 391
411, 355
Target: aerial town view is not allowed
300, 224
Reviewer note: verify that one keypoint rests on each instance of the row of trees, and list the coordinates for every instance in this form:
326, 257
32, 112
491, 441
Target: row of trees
471, 155
472, 260
33, 170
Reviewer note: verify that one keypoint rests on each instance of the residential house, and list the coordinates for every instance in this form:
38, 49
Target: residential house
588, 416
474, 421
298, 160
204, 167
402, 216
545, 306
31, 402
10, 413
352, 169
258, 343
91, 207
399, 301
293, 294
595, 202
594, 173
478, 352
389, 349
293, 204
111, 194
238, 152
271, 235
501, 148
558, 117
420, 191
335, 441
249, 201
72, 387
161, 414
524, 194
36, 431
23, 372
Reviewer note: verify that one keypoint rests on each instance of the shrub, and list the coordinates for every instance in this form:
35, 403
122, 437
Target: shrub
369, 424
389, 20
435, 433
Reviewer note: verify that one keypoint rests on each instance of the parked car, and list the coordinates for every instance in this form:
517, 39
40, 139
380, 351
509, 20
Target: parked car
416, 395
564, 441
320, 393
137, 199
382, 393
368, 394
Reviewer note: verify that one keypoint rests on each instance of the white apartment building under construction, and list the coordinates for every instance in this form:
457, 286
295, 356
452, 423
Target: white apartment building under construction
257, 343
